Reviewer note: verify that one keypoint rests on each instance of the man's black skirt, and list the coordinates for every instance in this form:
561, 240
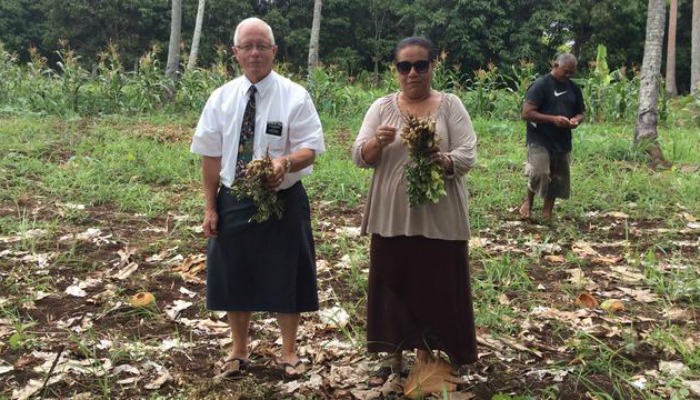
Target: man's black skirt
269, 266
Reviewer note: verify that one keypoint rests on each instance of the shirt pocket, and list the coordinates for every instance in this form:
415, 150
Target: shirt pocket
275, 138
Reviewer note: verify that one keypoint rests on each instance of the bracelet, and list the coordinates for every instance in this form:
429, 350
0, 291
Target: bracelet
287, 165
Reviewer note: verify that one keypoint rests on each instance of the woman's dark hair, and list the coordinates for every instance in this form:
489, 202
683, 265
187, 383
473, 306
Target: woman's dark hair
420, 42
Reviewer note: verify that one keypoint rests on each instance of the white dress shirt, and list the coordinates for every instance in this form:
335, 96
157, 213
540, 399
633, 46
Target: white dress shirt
285, 121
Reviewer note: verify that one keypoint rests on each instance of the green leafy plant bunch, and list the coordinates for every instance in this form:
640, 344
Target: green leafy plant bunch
252, 186
424, 180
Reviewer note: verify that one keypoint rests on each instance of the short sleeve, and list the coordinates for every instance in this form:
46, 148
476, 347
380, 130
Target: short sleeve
208, 137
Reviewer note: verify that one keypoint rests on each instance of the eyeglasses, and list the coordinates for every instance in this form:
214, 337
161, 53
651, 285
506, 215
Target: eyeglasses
404, 67
258, 47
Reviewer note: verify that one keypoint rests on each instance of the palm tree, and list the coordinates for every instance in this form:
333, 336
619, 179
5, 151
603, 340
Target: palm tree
671, 88
695, 52
315, 33
646, 131
173, 64
197, 36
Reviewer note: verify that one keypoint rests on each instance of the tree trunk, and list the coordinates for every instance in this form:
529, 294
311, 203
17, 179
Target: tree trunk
671, 88
375, 71
695, 50
378, 13
172, 66
646, 132
192, 62
315, 33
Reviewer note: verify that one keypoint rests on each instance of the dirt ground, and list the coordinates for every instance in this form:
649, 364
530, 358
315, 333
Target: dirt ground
66, 290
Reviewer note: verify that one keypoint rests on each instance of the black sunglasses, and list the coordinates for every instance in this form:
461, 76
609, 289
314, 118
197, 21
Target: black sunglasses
404, 67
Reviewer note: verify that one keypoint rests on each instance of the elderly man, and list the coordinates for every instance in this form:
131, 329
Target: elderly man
268, 266
553, 107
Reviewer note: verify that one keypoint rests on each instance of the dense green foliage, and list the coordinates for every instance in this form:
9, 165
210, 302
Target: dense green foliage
491, 93
356, 35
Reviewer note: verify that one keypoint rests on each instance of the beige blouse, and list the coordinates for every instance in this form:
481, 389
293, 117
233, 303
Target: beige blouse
387, 211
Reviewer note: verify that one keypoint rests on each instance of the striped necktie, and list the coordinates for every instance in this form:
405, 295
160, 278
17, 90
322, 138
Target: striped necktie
245, 143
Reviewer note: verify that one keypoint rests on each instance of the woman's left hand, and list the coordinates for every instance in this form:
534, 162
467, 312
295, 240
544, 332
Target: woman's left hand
443, 160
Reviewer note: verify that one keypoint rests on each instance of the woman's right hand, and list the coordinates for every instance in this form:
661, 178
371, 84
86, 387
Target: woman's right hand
385, 135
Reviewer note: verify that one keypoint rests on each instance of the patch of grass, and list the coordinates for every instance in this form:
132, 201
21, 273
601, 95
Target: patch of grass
141, 186
599, 359
336, 179
672, 277
507, 273
672, 342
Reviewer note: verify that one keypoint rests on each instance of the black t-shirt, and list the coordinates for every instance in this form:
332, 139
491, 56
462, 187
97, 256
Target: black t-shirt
553, 98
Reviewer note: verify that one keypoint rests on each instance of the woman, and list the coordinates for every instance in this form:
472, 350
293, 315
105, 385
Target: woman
419, 290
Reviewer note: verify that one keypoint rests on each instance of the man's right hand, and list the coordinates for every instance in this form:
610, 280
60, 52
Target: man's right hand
561, 121
209, 226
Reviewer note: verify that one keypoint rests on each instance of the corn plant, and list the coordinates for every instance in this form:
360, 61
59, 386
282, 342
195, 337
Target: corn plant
518, 81
37, 88
10, 75
332, 93
72, 77
320, 85
111, 79
609, 96
482, 90
445, 78
193, 88
147, 93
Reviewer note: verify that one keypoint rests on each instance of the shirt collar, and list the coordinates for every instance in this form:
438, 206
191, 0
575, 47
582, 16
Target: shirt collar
263, 86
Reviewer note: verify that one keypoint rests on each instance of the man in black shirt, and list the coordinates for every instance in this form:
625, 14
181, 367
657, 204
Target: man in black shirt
553, 107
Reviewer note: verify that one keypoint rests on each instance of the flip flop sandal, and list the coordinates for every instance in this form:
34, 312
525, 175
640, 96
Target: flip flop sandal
232, 367
292, 371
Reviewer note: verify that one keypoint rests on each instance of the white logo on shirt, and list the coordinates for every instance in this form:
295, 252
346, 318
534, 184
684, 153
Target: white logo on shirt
557, 94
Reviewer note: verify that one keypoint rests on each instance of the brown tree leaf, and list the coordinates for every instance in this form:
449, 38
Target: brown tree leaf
429, 377
555, 258
587, 300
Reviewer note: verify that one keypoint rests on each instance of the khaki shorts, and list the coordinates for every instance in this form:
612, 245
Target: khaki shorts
548, 174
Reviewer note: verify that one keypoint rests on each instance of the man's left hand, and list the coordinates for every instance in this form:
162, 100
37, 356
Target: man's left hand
275, 179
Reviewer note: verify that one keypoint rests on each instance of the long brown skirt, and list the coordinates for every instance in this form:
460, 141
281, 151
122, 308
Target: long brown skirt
420, 297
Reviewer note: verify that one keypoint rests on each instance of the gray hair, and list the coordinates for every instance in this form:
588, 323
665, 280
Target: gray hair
565, 58
253, 21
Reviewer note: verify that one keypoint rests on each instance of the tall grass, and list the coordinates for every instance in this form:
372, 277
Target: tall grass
493, 92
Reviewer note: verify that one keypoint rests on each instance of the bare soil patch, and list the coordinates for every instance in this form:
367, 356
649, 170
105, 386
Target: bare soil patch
69, 288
